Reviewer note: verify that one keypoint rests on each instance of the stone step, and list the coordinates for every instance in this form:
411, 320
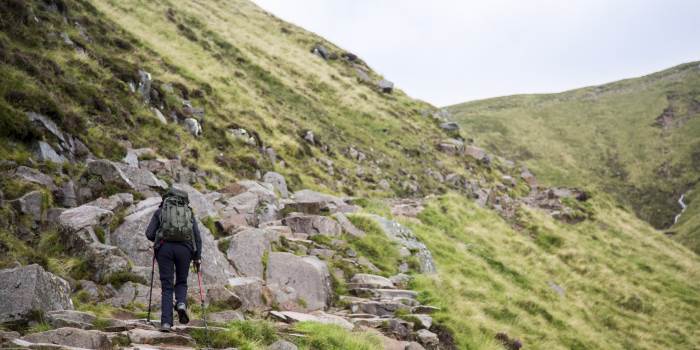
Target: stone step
424, 309
154, 337
383, 293
378, 308
364, 280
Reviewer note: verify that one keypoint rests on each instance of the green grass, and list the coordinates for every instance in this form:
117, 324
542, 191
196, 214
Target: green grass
331, 337
375, 245
244, 335
604, 137
626, 285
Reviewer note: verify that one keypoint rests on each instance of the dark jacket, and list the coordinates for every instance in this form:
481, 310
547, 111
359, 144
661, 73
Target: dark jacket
154, 225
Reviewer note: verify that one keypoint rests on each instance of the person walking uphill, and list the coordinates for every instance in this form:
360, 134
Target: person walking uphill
173, 230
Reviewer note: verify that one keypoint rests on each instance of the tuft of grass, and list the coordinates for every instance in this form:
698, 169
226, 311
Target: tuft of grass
375, 245
244, 335
331, 337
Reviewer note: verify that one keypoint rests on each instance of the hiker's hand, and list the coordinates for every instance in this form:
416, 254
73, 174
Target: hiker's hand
197, 264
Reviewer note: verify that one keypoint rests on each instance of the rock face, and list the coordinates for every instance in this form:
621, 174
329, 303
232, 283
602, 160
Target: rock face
30, 288
73, 337
247, 249
298, 283
406, 238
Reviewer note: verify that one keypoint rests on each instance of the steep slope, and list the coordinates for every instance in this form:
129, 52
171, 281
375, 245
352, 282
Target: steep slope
636, 138
102, 104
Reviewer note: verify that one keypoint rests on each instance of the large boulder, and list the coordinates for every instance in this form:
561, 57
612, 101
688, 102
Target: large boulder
143, 180
78, 226
313, 225
251, 291
201, 206
113, 202
109, 172
311, 202
247, 248
73, 337
130, 237
25, 290
298, 283
278, 182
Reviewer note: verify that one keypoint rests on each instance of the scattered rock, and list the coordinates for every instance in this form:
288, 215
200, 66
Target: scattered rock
70, 318
428, 338
282, 345
316, 316
159, 115
225, 316
449, 126
406, 238
193, 126
321, 51
475, 152
277, 181
109, 172
385, 86
45, 153
250, 290
347, 226
151, 337
222, 297
297, 277
529, 178
363, 280
30, 288
30, 204
313, 225
73, 337
451, 146
247, 249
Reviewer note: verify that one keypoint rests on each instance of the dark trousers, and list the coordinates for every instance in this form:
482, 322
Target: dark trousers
177, 256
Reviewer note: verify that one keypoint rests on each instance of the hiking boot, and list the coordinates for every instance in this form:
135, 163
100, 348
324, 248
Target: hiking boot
181, 309
166, 328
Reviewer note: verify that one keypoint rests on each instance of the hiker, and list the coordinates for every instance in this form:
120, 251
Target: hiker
173, 230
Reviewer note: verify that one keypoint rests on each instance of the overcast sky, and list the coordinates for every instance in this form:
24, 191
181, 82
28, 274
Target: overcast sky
447, 52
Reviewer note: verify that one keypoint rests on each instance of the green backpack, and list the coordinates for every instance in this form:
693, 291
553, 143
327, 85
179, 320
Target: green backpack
176, 217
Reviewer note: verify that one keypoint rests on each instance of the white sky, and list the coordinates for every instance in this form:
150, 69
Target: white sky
447, 52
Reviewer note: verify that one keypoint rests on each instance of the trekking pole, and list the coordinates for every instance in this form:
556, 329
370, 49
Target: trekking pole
201, 298
150, 291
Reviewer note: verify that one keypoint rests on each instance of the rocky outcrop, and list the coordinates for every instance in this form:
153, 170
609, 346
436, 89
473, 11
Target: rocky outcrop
24, 290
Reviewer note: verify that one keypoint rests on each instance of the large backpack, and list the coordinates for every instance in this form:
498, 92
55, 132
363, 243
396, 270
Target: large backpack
176, 217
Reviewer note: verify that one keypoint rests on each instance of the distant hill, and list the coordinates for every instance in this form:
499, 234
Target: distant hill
638, 139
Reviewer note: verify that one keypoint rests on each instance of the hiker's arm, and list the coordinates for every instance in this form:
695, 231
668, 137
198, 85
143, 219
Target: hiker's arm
153, 226
197, 240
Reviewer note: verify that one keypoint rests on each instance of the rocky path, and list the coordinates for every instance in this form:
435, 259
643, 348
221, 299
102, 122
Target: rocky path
269, 253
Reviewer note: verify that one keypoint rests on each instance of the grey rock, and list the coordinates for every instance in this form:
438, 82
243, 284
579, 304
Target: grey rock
30, 204
414, 346
72, 337
152, 337
105, 260
529, 178
47, 124
247, 248
142, 180
193, 126
400, 280
362, 75
425, 320
315, 316
406, 238
8, 335
449, 126
130, 293
427, 338
70, 318
278, 182
282, 345
90, 289
109, 172
347, 226
159, 115
201, 206
424, 309
30, 288
364, 280
68, 193
475, 152
45, 153
398, 328
451, 146
144, 88
309, 137
250, 290
385, 86
313, 225
242, 135
78, 225
32, 175
305, 277
221, 296
113, 202
225, 316
321, 51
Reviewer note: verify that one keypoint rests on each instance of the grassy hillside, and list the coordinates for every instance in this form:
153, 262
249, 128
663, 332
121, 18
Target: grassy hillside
625, 285
638, 138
